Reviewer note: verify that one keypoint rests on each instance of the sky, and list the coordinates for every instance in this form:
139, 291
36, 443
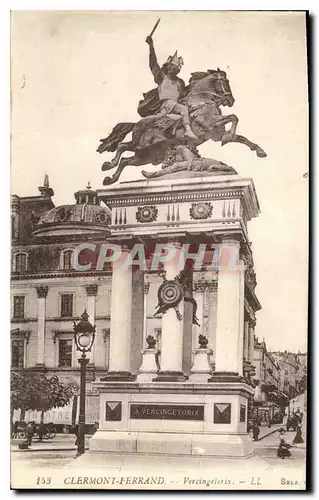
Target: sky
75, 75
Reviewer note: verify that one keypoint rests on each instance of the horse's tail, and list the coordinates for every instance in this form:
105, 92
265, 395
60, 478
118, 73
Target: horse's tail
117, 135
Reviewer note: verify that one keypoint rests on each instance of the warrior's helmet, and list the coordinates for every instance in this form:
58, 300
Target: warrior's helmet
175, 61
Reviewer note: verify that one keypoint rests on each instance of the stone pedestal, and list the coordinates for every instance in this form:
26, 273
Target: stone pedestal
149, 366
173, 419
166, 414
201, 369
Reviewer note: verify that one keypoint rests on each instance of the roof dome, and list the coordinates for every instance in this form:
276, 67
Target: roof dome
86, 214
94, 214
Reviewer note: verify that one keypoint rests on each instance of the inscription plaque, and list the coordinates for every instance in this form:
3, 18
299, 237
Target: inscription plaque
166, 412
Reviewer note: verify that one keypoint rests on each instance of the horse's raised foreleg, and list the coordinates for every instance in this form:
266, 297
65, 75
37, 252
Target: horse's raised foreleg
228, 135
122, 147
214, 128
132, 160
252, 146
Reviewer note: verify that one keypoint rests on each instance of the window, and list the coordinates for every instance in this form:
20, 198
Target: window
65, 352
20, 262
67, 259
17, 354
18, 306
66, 305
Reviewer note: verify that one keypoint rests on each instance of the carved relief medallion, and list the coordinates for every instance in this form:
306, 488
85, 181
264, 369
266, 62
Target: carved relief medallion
202, 210
63, 214
102, 217
147, 213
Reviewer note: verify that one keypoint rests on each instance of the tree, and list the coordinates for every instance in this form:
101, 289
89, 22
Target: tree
39, 392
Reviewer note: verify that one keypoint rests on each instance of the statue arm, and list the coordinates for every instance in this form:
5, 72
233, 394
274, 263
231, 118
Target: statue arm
153, 63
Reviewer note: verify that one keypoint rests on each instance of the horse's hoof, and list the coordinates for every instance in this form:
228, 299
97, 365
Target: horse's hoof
261, 153
107, 165
107, 181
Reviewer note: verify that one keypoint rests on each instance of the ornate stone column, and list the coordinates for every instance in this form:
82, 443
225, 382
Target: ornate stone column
91, 292
199, 287
172, 330
211, 293
146, 290
120, 324
230, 312
246, 341
42, 292
251, 336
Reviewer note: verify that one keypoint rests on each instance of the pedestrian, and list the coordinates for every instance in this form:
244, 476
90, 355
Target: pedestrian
298, 437
41, 430
29, 431
283, 446
256, 432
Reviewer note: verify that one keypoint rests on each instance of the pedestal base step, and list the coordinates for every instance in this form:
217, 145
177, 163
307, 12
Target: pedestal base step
218, 445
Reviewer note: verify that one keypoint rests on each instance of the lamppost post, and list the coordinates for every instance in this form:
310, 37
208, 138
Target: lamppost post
81, 433
84, 334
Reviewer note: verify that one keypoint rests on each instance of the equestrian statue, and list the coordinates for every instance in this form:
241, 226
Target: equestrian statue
176, 119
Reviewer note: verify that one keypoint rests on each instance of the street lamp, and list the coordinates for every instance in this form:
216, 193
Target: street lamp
84, 335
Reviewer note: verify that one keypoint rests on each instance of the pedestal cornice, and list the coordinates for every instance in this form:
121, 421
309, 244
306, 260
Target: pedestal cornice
218, 386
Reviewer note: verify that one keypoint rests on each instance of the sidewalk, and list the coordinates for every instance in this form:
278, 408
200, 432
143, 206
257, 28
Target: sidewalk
271, 441
62, 442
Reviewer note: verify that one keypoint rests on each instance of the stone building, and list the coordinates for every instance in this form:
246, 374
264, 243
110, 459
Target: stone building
292, 369
47, 294
270, 398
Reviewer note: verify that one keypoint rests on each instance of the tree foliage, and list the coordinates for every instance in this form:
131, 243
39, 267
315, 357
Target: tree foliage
39, 392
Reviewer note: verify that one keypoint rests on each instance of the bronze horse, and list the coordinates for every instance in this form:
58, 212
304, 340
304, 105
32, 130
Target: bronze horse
153, 136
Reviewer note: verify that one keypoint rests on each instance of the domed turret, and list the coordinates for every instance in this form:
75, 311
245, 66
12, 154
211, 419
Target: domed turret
86, 216
87, 196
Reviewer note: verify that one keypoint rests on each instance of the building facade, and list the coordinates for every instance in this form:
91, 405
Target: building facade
269, 399
293, 368
279, 377
49, 295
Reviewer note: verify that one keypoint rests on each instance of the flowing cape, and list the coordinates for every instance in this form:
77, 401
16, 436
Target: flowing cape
150, 105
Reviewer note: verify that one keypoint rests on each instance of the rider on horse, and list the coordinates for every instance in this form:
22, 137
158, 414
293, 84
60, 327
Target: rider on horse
170, 89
